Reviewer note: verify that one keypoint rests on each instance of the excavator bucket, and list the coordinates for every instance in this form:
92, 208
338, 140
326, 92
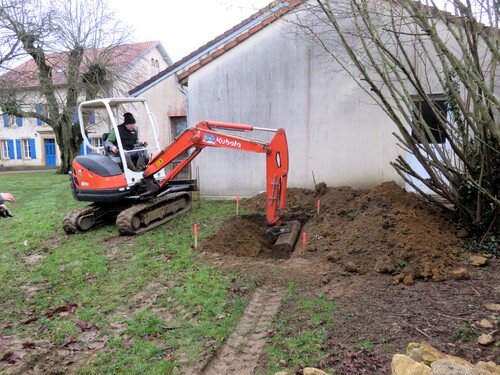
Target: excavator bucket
287, 235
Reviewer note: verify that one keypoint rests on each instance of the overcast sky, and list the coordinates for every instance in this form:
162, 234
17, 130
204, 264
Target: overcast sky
183, 25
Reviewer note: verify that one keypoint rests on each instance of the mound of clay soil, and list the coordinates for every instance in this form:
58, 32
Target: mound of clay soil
382, 230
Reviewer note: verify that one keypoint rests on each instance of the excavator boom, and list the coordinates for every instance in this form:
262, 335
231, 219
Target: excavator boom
209, 134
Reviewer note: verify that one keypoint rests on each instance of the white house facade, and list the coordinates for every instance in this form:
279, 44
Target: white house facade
264, 72
259, 73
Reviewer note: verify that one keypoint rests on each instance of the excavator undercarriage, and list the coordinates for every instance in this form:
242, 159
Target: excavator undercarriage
130, 219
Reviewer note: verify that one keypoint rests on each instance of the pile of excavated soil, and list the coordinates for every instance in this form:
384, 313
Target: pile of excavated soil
383, 230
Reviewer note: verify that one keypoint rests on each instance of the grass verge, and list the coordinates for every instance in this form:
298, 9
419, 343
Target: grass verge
299, 333
113, 304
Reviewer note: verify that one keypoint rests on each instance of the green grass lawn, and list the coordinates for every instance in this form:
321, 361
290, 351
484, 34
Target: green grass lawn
123, 305
143, 300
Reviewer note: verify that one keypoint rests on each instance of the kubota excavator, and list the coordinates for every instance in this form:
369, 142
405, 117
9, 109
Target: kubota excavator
143, 200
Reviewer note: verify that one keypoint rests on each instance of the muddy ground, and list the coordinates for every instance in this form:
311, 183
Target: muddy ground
396, 268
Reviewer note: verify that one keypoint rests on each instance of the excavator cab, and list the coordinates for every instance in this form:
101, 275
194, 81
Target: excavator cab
110, 111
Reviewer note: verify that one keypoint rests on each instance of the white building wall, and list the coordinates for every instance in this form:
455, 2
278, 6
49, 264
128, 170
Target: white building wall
166, 101
274, 79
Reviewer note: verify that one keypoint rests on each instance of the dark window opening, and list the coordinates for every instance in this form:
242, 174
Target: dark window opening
179, 124
431, 116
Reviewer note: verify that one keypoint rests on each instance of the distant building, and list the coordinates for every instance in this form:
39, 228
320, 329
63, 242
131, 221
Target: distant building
28, 142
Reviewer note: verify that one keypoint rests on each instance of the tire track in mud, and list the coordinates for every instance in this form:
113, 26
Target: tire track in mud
240, 352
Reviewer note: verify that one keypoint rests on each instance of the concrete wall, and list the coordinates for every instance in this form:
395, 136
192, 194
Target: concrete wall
275, 79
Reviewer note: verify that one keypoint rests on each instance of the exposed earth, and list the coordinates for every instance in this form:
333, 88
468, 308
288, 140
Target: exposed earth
395, 267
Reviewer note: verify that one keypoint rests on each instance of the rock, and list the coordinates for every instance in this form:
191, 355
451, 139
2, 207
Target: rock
414, 351
437, 363
448, 367
460, 274
385, 266
403, 365
486, 368
351, 267
478, 260
485, 323
437, 275
485, 339
489, 256
332, 257
430, 354
321, 188
408, 280
493, 306
313, 371
398, 278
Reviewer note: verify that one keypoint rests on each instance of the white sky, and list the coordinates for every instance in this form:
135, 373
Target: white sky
183, 25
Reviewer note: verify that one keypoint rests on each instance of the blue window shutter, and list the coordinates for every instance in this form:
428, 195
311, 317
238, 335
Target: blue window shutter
92, 118
82, 147
38, 110
18, 149
19, 121
33, 148
5, 120
75, 116
11, 149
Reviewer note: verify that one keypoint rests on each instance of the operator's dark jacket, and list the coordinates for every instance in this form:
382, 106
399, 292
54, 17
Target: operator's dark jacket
129, 139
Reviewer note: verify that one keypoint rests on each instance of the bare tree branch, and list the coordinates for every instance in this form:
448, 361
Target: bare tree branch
413, 58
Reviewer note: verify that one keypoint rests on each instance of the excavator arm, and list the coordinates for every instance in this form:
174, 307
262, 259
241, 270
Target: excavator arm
210, 134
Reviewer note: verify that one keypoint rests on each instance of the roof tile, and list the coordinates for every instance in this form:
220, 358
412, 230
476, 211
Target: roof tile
26, 74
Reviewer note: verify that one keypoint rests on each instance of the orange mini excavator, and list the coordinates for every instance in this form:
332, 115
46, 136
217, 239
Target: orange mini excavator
142, 200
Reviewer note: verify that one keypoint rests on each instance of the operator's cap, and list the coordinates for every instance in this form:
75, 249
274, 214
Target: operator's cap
128, 118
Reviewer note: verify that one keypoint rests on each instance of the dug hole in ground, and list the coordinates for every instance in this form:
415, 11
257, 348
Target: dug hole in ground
395, 267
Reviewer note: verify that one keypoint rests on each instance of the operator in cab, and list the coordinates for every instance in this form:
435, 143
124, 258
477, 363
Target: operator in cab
135, 156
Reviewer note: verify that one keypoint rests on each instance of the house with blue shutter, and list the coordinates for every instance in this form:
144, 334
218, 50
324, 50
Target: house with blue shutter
29, 143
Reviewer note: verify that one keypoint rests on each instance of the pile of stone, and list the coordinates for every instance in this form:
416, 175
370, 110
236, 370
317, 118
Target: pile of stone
423, 359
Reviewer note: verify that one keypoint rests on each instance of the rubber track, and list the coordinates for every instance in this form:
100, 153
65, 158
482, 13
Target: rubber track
124, 219
70, 219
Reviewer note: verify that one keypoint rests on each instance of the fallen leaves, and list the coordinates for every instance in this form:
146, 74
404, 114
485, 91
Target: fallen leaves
13, 357
62, 311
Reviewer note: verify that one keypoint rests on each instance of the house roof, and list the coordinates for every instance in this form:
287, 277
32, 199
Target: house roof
221, 44
124, 56
235, 36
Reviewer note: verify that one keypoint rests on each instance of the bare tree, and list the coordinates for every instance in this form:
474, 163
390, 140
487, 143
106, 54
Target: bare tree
435, 74
72, 45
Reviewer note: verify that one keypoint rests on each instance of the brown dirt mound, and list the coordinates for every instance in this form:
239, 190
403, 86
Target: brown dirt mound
382, 230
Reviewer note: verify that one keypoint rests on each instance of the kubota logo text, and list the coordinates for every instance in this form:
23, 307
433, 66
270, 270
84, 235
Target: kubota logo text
227, 142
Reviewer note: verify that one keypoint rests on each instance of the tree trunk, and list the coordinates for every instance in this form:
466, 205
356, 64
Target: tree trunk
69, 139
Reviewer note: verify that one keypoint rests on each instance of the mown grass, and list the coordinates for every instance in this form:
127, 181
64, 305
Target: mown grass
151, 306
127, 305
299, 333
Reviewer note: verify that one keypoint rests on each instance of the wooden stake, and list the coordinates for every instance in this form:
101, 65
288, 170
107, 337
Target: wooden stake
195, 236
